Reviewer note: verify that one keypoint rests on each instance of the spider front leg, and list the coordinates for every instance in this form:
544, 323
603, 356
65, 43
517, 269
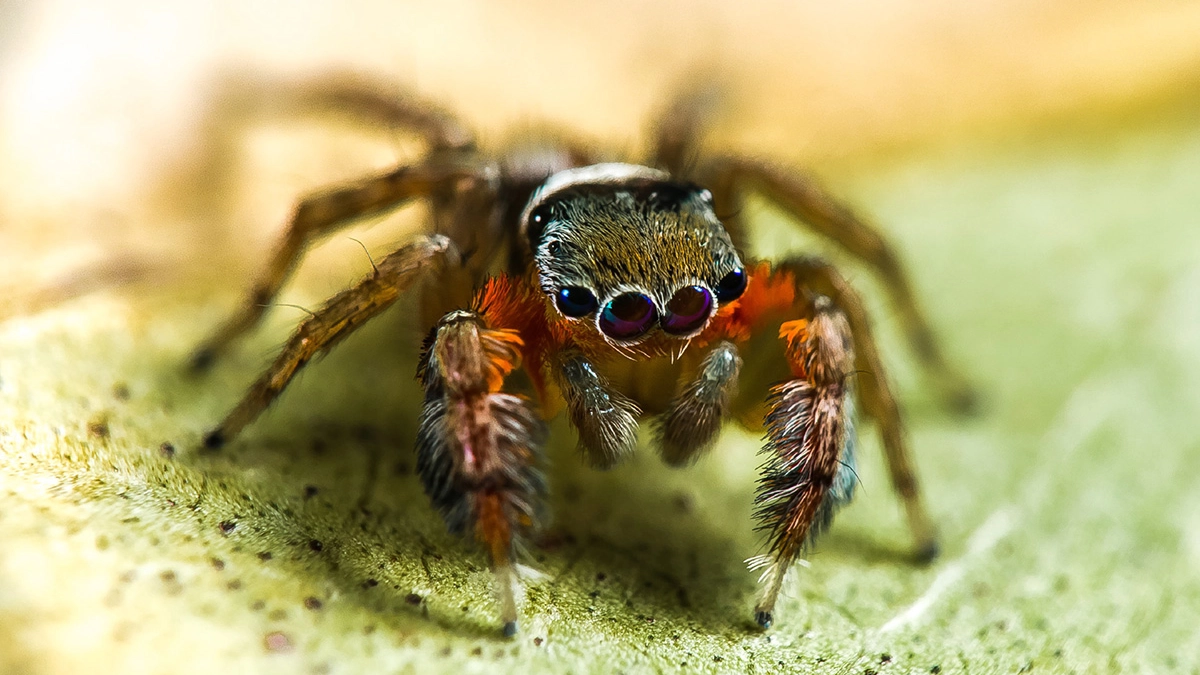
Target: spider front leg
693, 418
810, 447
809, 471
479, 449
878, 400
340, 316
605, 419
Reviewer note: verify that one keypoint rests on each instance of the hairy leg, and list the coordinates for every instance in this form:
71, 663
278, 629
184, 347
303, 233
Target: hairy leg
800, 195
809, 470
605, 418
479, 449
317, 216
693, 418
340, 316
878, 400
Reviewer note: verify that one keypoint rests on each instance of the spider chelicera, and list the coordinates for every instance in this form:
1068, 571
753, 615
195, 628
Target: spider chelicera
624, 292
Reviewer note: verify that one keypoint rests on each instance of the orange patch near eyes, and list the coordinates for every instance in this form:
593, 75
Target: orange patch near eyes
793, 330
502, 347
795, 334
767, 292
517, 311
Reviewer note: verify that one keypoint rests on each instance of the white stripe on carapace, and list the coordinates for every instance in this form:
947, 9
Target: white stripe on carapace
610, 173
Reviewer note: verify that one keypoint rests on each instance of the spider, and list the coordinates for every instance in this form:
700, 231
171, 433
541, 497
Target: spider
623, 291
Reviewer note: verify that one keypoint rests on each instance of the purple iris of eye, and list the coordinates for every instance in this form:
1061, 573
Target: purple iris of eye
627, 316
688, 310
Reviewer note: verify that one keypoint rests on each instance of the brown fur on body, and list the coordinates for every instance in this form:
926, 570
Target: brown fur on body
622, 295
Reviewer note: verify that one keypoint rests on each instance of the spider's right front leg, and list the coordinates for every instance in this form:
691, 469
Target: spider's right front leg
478, 447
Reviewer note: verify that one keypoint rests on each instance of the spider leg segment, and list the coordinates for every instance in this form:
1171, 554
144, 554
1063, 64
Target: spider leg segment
799, 195
878, 401
479, 449
678, 132
690, 425
605, 419
809, 471
809, 467
340, 316
243, 100
320, 215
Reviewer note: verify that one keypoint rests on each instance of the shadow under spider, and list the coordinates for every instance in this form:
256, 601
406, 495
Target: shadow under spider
622, 534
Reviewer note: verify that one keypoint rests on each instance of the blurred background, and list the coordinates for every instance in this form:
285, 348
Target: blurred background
101, 104
1036, 164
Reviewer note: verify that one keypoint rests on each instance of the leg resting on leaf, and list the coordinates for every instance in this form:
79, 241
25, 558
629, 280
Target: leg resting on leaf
339, 317
809, 470
479, 449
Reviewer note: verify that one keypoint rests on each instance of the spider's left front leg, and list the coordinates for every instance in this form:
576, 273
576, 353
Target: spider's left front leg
479, 448
809, 471
810, 468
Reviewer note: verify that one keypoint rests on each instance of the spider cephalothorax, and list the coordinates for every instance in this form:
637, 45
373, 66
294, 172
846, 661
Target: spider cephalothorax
622, 296
626, 249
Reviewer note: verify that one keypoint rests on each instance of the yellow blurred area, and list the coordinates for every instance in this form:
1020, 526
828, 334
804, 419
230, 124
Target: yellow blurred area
96, 97
99, 102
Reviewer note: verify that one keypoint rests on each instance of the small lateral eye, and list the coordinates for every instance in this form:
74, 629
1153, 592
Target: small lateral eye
542, 214
575, 302
732, 285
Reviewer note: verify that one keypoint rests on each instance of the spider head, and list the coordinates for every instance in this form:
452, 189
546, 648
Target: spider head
631, 252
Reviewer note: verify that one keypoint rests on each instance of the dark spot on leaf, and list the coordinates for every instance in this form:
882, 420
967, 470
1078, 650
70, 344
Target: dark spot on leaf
98, 427
312, 603
265, 556
227, 526
412, 599
166, 450
316, 545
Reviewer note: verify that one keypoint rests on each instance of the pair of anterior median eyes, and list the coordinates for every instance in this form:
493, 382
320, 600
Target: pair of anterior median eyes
631, 315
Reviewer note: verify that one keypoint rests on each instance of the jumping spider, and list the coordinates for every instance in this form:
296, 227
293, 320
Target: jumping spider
623, 292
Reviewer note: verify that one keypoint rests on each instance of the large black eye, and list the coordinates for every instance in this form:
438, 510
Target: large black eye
627, 316
732, 285
575, 302
687, 310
